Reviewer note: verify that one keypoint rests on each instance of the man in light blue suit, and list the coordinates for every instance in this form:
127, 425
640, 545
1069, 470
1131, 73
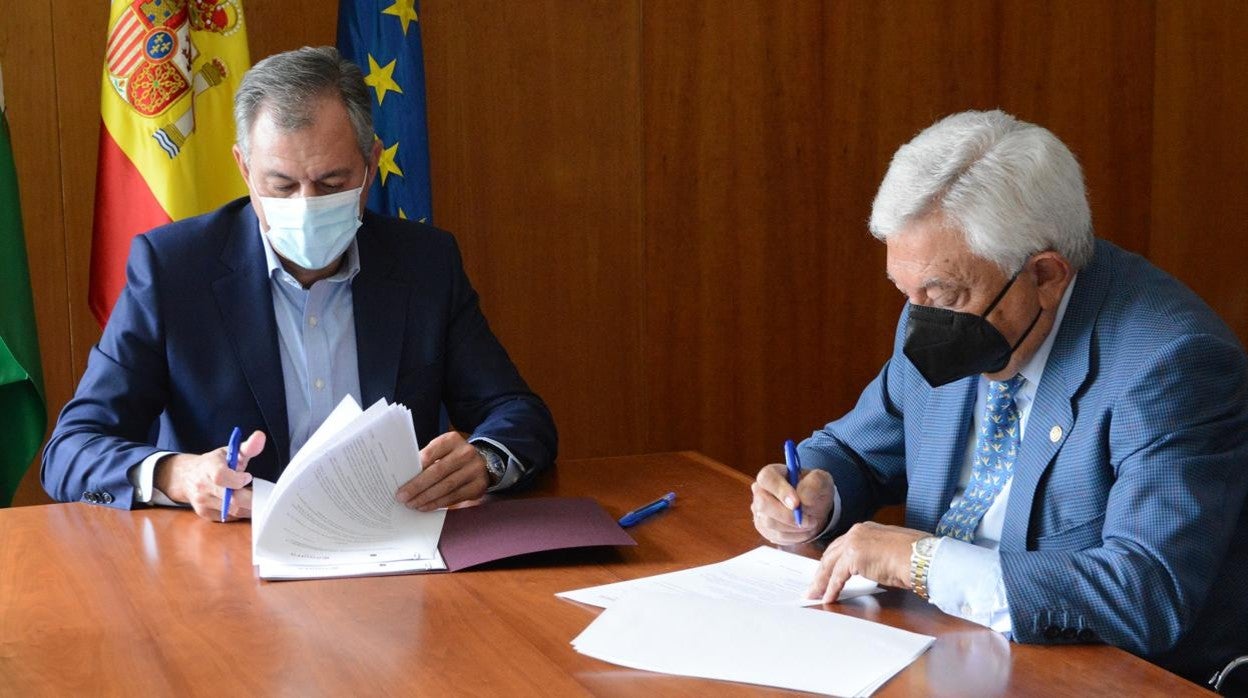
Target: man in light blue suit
1066, 424
269, 311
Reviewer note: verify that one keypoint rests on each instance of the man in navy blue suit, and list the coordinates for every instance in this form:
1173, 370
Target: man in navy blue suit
269, 311
1066, 424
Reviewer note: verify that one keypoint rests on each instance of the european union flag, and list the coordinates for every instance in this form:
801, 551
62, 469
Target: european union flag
383, 38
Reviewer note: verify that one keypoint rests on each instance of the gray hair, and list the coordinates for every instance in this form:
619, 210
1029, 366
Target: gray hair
1012, 188
288, 85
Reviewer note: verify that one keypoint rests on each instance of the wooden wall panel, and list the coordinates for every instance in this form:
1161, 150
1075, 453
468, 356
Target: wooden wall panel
534, 134
1084, 70
274, 26
31, 100
664, 203
1200, 152
733, 93
79, 50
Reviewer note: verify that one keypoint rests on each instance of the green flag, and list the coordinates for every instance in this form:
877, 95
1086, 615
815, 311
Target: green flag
22, 410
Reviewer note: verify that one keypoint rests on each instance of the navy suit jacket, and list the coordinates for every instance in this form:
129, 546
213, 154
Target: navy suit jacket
192, 347
1126, 520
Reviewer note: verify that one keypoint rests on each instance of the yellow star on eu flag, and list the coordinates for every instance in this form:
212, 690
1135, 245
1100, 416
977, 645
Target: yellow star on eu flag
386, 165
381, 78
404, 11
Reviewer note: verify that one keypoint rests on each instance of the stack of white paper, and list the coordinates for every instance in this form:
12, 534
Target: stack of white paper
734, 640
763, 575
332, 512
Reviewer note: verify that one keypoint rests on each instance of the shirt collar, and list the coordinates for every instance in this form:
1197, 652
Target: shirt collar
1033, 370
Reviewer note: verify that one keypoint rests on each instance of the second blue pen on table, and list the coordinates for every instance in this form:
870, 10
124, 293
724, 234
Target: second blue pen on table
637, 515
795, 472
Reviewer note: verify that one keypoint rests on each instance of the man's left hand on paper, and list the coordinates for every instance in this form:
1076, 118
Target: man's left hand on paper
452, 471
878, 552
201, 480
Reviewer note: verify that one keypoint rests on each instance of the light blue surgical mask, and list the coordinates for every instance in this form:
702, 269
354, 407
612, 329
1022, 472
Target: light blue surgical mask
313, 231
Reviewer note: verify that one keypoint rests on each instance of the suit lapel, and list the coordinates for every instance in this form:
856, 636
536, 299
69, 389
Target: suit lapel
244, 298
380, 304
1052, 413
1047, 428
939, 460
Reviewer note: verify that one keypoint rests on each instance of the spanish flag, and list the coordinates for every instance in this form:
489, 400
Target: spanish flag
170, 71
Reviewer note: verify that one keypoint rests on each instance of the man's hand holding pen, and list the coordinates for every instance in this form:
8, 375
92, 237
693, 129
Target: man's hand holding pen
201, 480
775, 500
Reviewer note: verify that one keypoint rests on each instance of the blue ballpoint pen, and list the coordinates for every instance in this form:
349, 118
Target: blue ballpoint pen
795, 472
637, 515
231, 459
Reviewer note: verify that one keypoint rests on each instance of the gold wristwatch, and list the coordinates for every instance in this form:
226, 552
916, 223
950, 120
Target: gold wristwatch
921, 552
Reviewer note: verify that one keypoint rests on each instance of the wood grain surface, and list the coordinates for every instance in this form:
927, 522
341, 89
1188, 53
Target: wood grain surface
100, 601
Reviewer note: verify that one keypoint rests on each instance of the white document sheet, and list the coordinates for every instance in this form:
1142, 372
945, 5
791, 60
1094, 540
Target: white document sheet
732, 640
279, 571
333, 509
763, 575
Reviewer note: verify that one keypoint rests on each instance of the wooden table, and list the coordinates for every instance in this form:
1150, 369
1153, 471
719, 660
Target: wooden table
99, 601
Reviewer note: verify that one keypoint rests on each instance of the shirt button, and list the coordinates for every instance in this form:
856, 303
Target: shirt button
1055, 434
320, 384
312, 321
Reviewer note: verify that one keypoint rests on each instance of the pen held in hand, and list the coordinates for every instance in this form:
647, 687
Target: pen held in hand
231, 459
638, 515
795, 472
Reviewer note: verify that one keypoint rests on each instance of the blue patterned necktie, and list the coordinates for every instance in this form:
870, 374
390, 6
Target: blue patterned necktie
996, 447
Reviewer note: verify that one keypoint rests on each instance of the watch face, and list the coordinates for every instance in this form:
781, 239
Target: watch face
927, 545
494, 465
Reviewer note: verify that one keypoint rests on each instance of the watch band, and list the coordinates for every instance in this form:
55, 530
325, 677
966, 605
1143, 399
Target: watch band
921, 552
495, 466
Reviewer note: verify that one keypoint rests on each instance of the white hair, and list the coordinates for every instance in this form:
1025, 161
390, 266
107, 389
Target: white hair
1011, 187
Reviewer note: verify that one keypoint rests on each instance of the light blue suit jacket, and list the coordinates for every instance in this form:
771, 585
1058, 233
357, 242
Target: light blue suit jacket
1126, 521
